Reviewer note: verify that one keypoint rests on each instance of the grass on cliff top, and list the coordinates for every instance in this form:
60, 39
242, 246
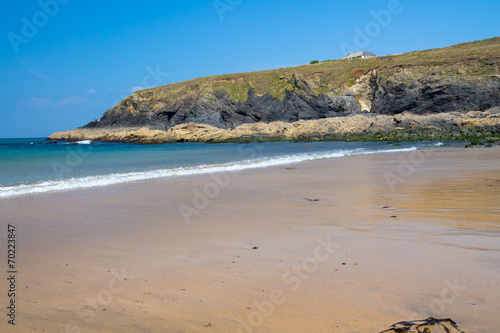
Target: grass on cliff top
333, 75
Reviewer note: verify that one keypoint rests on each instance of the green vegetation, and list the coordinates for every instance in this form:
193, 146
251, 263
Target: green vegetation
314, 62
469, 137
482, 56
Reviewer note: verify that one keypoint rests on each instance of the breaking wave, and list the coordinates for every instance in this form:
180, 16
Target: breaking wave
119, 178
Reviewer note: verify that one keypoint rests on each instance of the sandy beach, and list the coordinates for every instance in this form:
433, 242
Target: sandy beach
351, 244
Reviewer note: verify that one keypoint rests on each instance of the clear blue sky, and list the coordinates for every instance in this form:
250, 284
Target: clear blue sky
63, 66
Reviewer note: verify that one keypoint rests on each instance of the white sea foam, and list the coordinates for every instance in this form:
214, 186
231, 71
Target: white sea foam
119, 178
83, 142
439, 144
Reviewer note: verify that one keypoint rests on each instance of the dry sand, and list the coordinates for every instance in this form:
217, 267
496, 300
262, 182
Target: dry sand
258, 257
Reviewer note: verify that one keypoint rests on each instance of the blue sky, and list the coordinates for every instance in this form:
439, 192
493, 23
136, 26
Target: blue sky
65, 62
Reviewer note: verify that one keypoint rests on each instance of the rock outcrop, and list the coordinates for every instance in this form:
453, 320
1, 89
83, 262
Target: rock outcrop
434, 88
436, 126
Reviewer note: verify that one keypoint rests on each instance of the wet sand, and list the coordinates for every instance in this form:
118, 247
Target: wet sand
393, 237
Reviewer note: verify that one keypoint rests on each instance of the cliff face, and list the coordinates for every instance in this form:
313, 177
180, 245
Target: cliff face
420, 90
218, 109
434, 89
463, 77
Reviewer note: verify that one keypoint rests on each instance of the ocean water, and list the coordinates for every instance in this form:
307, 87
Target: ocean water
31, 166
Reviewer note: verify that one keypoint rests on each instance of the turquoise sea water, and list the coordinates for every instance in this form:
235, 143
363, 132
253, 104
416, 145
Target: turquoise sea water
30, 166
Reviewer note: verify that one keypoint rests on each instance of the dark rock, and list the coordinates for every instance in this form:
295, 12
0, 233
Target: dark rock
425, 93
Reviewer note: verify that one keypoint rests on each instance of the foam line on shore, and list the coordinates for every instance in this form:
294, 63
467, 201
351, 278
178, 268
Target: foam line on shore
119, 178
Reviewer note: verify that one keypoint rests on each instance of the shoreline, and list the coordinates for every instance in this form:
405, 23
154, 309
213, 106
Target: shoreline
128, 249
245, 162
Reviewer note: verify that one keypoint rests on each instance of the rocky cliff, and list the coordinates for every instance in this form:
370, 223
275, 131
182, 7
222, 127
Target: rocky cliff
456, 79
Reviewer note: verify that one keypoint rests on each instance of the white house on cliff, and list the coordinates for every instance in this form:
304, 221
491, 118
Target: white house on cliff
361, 54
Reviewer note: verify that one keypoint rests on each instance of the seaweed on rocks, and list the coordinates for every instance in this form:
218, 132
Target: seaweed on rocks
424, 326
